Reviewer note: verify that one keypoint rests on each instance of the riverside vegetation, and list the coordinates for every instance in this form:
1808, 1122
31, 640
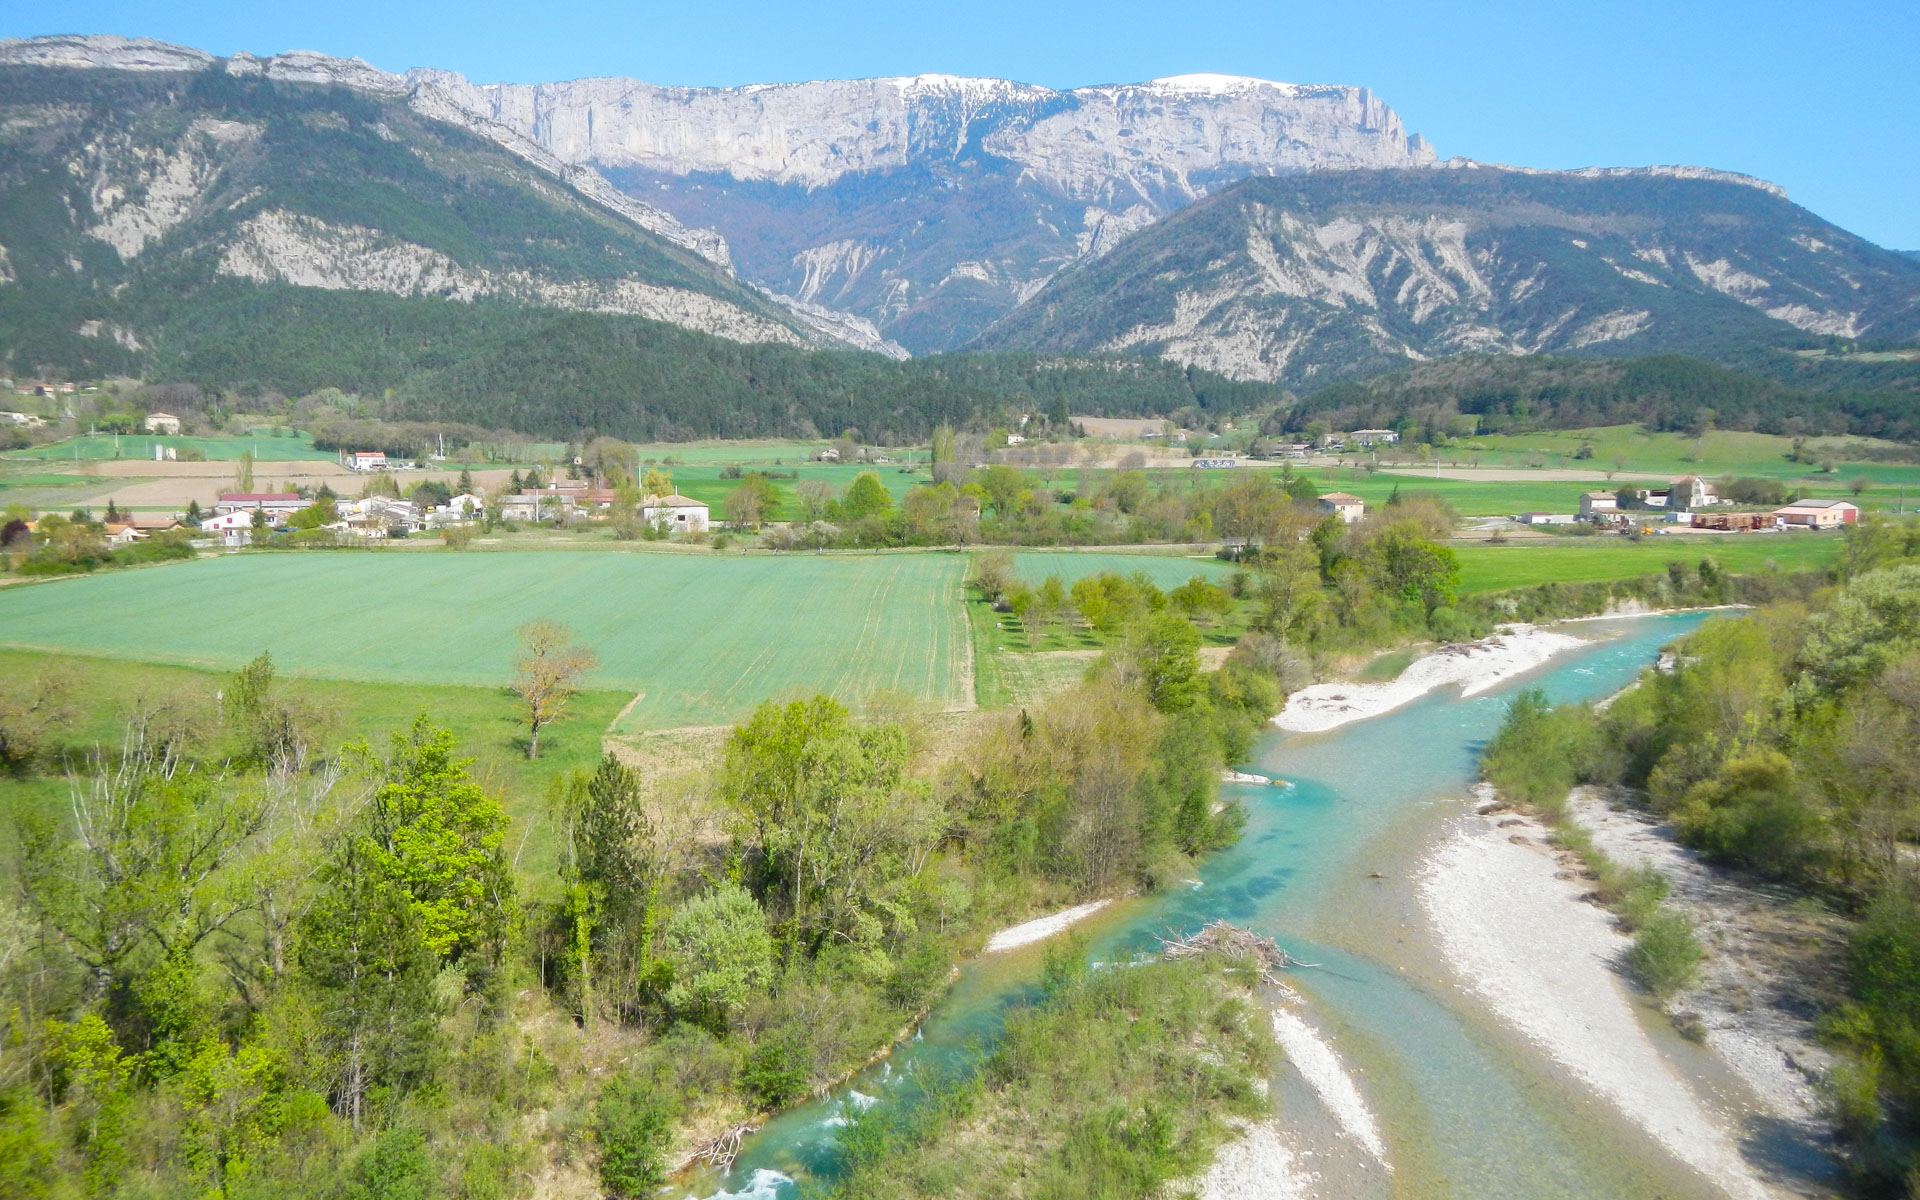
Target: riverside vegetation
1784, 744
243, 959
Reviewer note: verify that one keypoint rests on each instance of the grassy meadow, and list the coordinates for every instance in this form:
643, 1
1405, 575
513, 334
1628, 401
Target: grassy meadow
706, 638
1167, 570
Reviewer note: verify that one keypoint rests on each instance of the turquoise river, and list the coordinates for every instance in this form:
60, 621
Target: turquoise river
1466, 1110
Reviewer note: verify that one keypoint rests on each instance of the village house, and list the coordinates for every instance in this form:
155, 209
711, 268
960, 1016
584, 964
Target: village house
1595, 506
1340, 504
539, 504
119, 535
25, 420
232, 529
159, 422
1294, 450
1372, 437
1691, 493
1817, 514
828, 455
465, 507
676, 513
277, 505
154, 522
380, 516
367, 460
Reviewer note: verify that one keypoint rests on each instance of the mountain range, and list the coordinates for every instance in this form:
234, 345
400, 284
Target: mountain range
299, 220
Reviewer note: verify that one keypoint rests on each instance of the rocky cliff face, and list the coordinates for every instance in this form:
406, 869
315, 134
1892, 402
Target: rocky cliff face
933, 205
1312, 279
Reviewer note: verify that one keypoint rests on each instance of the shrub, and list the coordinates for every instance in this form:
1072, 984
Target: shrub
1665, 957
776, 1074
634, 1122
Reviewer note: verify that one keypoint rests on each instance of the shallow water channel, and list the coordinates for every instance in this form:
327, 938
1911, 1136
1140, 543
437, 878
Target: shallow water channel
1464, 1109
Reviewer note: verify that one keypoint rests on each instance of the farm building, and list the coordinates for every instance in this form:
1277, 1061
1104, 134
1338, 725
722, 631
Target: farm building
153, 522
160, 422
380, 516
539, 504
277, 505
1374, 437
1598, 504
1539, 518
1340, 504
676, 512
1817, 514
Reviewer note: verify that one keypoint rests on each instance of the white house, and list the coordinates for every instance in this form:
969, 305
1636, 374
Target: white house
1369, 437
539, 504
233, 529
367, 460
676, 513
466, 506
380, 516
160, 422
1690, 493
123, 535
1340, 504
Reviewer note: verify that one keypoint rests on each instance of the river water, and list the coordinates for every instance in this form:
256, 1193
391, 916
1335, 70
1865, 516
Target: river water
1464, 1109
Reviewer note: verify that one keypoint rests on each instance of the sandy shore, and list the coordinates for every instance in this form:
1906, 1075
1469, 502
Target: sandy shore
1509, 915
1475, 666
1041, 928
1311, 1054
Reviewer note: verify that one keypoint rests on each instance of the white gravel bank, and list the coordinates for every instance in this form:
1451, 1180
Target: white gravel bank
1475, 666
1041, 928
1544, 960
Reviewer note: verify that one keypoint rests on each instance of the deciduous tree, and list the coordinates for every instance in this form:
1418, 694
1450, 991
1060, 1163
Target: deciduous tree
547, 675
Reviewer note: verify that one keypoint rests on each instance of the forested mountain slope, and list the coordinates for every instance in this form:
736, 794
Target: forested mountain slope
128, 196
1316, 278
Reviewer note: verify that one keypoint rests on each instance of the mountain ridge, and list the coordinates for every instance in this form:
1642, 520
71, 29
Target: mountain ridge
1312, 279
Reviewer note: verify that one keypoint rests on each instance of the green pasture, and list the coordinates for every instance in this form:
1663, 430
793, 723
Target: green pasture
705, 638
1167, 571
1585, 560
742, 453
1718, 452
265, 447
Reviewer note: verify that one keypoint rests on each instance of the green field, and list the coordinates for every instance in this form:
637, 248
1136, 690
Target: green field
705, 638
1166, 570
265, 447
1585, 560
704, 483
1719, 452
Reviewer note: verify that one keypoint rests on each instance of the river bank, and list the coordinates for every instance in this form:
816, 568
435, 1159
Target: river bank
1515, 919
1474, 667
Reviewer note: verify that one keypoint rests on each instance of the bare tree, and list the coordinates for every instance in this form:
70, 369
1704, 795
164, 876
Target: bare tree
547, 674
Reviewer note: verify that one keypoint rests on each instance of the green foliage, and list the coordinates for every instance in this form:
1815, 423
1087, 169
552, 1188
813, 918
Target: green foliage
634, 1124
1665, 956
437, 837
1115, 1084
721, 955
398, 1166
1540, 752
1884, 959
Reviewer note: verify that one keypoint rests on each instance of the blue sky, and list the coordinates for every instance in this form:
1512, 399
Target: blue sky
1817, 95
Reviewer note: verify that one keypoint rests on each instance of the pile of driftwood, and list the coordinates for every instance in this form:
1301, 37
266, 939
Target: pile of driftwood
720, 1150
1222, 940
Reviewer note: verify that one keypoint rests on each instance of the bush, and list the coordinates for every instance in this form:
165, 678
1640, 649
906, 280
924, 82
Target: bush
776, 1073
1665, 957
634, 1122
